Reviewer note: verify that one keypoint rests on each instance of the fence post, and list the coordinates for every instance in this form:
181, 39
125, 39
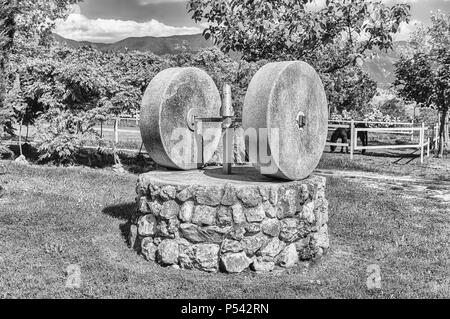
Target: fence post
437, 136
446, 132
428, 147
352, 139
422, 136
227, 112
198, 133
116, 130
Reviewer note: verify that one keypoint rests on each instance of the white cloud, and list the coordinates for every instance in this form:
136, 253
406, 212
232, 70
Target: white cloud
80, 28
406, 29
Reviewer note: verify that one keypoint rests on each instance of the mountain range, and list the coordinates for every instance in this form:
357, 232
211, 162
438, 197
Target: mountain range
380, 64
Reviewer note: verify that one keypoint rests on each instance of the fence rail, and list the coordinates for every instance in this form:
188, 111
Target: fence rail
368, 122
425, 141
428, 137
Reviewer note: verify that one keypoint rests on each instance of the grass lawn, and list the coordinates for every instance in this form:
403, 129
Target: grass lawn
391, 162
83, 211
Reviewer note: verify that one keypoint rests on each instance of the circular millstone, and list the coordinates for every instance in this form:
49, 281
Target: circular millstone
286, 106
171, 100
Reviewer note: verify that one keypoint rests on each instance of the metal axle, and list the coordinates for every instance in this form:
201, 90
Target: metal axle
226, 118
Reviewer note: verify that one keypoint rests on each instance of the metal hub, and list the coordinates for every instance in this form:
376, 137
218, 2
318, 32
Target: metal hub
190, 119
301, 120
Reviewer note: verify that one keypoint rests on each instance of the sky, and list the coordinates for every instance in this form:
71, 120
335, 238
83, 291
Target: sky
113, 20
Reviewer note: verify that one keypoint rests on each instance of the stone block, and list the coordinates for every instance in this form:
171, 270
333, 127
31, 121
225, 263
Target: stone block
250, 197
235, 262
147, 225
204, 215
167, 253
186, 211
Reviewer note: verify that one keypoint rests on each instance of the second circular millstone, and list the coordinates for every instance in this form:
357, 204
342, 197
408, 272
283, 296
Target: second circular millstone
286, 108
171, 100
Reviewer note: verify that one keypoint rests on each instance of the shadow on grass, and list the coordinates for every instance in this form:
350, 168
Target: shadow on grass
384, 154
125, 212
133, 162
121, 211
29, 151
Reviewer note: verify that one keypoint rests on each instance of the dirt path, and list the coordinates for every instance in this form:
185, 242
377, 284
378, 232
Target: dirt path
411, 186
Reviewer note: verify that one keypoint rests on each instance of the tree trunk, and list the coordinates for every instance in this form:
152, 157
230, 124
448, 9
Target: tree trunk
116, 141
20, 137
442, 133
2, 102
446, 133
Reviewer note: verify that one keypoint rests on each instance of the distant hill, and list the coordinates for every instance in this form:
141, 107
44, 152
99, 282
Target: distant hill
380, 66
157, 45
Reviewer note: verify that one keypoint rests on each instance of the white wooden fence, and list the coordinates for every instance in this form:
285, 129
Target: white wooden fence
116, 128
425, 140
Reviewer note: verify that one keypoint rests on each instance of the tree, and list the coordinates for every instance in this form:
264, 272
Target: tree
330, 38
35, 19
389, 103
349, 89
333, 39
424, 77
68, 91
8, 11
62, 88
23, 25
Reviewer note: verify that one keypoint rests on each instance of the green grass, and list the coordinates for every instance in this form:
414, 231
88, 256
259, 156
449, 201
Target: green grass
433, 168
85, 212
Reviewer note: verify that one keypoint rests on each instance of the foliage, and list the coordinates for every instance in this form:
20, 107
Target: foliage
332, 39
369, 114
385, 106
23, 25
395, 108
8, 10
72, 89
59, 137
329, 38
223, 70
35, 19
373, 114
425, 77
414, 78
88, 86
349, 89
427, 115
388, 103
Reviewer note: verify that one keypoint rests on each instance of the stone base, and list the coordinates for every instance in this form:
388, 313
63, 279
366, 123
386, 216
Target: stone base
212, 222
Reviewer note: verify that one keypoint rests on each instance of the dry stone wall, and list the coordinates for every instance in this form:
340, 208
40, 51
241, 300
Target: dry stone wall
230, 226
